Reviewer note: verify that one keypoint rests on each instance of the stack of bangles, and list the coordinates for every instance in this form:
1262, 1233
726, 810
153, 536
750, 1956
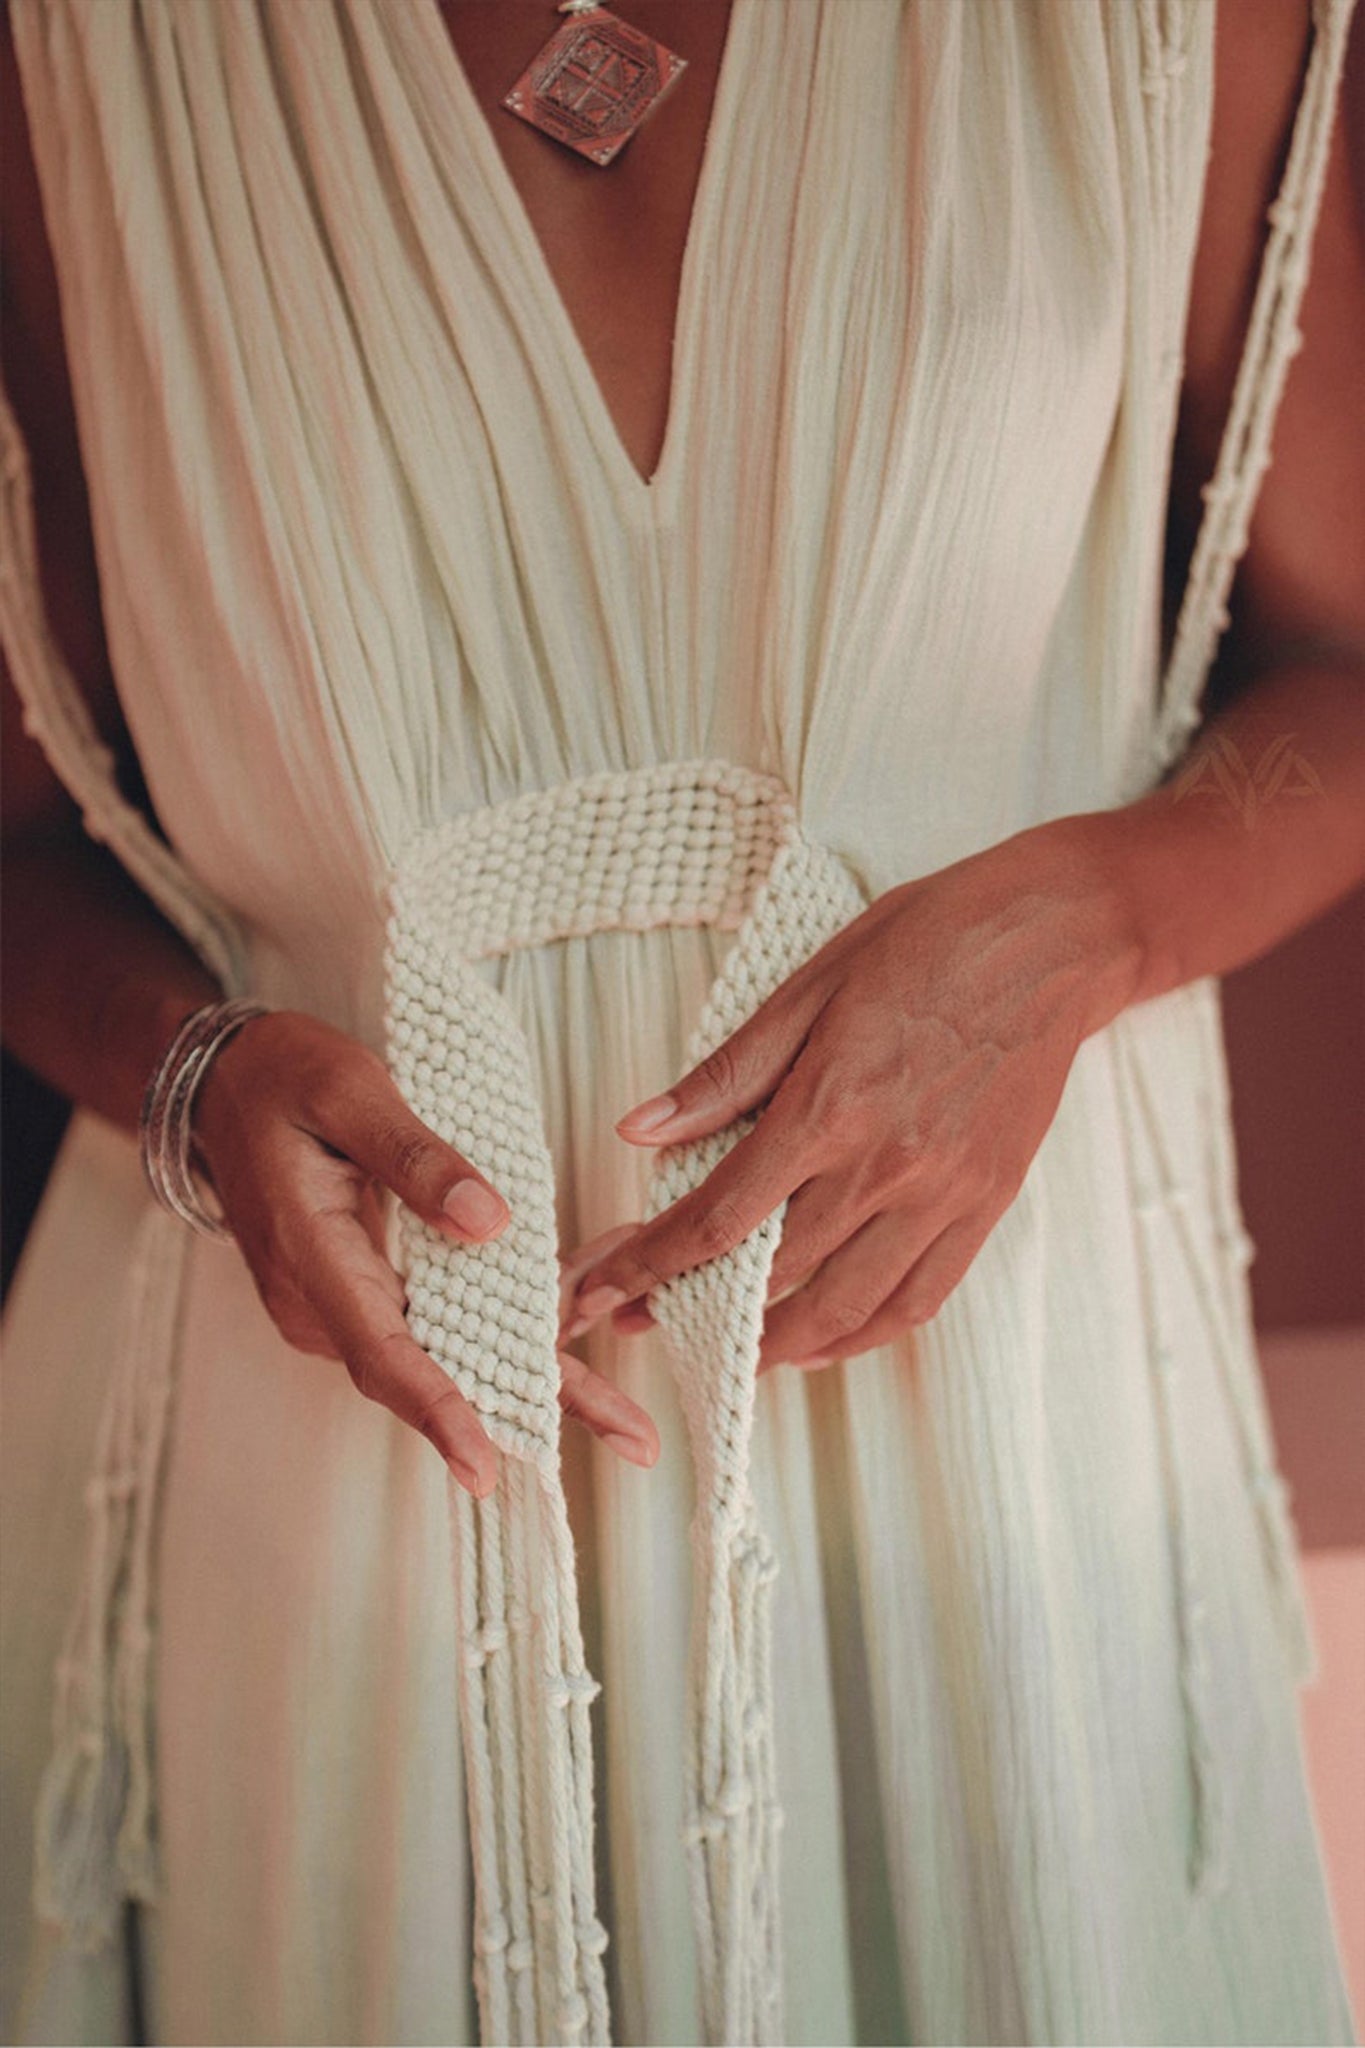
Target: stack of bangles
164, 1130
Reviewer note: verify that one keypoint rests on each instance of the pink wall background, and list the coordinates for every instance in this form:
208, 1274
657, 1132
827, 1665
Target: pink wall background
1295, 1026
1296, 1044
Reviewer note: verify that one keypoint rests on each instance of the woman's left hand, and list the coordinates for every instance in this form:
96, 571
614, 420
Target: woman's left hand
906, 1073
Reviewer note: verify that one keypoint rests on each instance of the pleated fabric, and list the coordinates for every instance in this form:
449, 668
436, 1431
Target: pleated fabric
372, 555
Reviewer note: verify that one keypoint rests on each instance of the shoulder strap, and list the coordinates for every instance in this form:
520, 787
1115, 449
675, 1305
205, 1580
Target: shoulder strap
1273, 339
57, 716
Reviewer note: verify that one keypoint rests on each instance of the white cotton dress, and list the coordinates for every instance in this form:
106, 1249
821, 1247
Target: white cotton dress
372, 554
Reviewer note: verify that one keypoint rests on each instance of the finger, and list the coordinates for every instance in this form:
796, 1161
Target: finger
607, 1410
748, 1184
822, 1318
743, 1071
375, 1127
823, 1214
371, 1212
299, 1324
574, 1264
918, 1296
273, 1259
349, 1290
630, 1320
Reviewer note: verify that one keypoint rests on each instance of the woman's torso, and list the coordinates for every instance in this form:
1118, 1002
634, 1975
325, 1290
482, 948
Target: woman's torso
375, 546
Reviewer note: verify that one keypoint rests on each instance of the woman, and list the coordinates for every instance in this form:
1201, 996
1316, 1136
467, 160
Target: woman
825, 432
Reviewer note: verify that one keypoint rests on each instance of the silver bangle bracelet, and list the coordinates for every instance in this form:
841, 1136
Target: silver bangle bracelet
165, 1138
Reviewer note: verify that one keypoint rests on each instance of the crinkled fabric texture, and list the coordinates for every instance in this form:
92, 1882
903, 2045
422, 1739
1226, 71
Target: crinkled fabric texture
372, 554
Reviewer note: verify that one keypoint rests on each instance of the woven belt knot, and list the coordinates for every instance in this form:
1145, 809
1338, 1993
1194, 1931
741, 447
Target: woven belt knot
680, 843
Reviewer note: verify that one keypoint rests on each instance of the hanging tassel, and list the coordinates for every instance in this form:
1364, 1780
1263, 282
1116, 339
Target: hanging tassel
1158, 1199
94, 1822
682, 843
712, 1317
94, 1838
537, 1942
490, 1315
1207, 1866
1235, 1345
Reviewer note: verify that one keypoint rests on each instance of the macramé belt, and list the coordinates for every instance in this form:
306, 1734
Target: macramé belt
683, 843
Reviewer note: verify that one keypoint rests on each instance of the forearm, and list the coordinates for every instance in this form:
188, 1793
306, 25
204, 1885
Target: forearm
95, 981
1260, 828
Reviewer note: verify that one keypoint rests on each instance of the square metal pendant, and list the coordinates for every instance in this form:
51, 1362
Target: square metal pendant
594, 83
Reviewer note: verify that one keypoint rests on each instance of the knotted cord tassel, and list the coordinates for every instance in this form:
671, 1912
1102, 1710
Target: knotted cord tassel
1272, 340
1156, 1200
1207, 1866
1225, 1299
713, 1320
94, 1836
490, 1315
94, 1823
677, 843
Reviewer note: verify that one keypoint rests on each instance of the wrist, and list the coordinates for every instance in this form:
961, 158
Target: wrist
216, 1109
1082, 864
134, 1023
170, 1153
170, 1009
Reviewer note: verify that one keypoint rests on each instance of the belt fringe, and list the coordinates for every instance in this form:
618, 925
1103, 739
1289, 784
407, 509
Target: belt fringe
683, 843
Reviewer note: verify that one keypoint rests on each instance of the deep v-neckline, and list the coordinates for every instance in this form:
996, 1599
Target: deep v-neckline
642, 493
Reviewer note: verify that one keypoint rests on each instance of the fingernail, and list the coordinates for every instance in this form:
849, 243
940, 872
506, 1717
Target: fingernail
574, 1329
599, 1301
474, 1207
470, 1477
636, 1448
649, 1115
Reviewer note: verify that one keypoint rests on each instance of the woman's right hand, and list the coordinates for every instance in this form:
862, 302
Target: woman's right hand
298, 1126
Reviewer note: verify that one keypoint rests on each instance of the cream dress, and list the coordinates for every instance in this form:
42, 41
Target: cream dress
372, 553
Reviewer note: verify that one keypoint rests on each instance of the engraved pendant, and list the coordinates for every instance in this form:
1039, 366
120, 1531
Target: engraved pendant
595, 81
